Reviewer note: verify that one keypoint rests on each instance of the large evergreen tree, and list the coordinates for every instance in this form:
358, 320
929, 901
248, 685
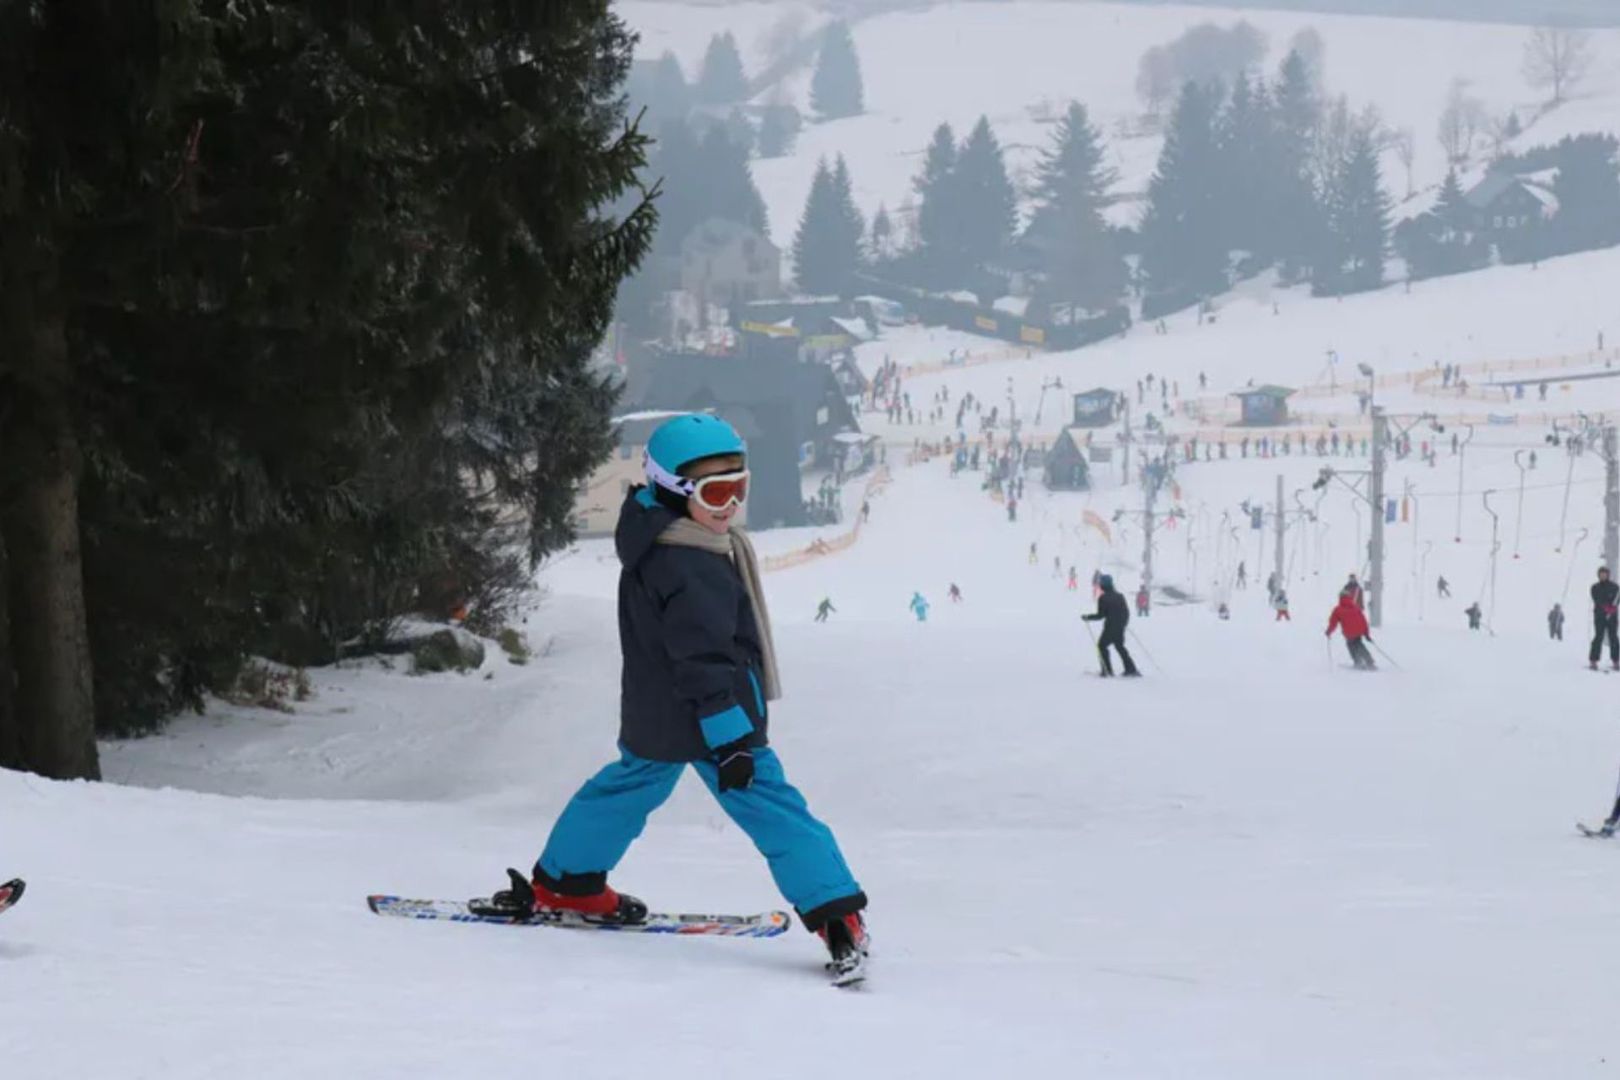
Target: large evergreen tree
1082, 264
827, 246
988, 203
1588, 191
721, 80
1182, 232
835, 88
1358, 224
1294, 213
939, 218
1246, 137
261, 324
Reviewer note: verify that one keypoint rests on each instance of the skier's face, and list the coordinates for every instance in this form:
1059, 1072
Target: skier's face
716, 521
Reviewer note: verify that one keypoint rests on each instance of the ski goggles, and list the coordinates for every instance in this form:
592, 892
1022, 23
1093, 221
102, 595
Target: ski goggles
715, 492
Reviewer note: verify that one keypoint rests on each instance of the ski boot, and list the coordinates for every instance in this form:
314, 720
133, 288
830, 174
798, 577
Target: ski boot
1608, 827
524, 900
849, 945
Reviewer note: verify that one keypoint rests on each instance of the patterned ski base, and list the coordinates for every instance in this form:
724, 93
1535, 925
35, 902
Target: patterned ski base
764, 925
10, 893
1595, 834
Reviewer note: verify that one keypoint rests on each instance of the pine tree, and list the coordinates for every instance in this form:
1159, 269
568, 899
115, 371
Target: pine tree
835, 88
1183, 254
939, 216
722, 80
778, 129
826, 248
989, 205
1245, 138
1296, 216
285, 322
1588, 191
1358, 224
881, 244
1082, 264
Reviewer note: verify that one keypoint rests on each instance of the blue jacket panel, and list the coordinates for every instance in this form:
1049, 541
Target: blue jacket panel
690, 642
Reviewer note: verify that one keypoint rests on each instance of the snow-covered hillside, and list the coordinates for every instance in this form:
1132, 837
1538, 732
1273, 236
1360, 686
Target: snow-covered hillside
1019, 63
1253, 863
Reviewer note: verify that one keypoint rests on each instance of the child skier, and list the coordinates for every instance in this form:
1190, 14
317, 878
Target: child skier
955, 594
1348, 617
1279, 600
824, 609
1474, 615
1555, 622
919, 607
699, 666
1144, 602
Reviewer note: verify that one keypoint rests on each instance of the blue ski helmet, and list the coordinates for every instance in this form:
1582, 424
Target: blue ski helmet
1106, 581
682, 440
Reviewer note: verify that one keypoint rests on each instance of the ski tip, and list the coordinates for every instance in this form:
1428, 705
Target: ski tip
375, 900
12, 890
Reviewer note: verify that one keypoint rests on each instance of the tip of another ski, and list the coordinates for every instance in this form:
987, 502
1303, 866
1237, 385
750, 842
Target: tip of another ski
11, 892
1595, 834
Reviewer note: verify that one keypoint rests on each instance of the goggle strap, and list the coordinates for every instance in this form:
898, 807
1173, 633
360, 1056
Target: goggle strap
661, 476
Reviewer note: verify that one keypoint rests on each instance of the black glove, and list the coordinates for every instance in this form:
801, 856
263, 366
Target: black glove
736, 764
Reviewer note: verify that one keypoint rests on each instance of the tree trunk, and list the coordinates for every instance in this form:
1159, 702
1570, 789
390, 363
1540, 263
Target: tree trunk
50, 644
10, 738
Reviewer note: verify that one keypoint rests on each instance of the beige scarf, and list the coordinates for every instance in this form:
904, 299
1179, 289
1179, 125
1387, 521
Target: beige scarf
684, 532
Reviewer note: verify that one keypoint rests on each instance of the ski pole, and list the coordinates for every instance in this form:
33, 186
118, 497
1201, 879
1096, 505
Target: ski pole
1384, 654
1146, 651
1327, 643
1087, 624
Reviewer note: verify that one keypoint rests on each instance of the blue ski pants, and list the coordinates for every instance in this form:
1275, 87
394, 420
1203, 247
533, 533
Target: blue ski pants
606, 815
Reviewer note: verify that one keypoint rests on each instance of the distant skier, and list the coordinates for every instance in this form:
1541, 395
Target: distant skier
1143, 602
1475, 615
1115, 617
1033, 556
824, 609
1057, 566
955, 594
1353, 587
1012, 510
919, 607
1348, 617
1223, 612
866, 511
1555, 622
1074, 580
1271, 587
1443, 587
1280, 602
1605, 595
1242, 576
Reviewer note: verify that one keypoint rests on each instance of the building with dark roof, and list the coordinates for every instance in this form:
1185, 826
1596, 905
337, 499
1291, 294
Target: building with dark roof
1264, 406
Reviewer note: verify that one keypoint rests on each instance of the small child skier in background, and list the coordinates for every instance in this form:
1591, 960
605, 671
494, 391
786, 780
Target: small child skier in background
955, 594
699, 666
824, 609
919, 607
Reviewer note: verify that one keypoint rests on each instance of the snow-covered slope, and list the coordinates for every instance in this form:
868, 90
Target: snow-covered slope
1019, 63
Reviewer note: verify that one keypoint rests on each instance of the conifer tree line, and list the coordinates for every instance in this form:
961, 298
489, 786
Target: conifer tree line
296, 304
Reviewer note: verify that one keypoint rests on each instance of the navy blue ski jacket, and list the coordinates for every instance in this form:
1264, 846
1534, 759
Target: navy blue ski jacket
691, 646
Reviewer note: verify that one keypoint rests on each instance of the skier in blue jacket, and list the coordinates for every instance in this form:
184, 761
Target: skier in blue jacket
699, 667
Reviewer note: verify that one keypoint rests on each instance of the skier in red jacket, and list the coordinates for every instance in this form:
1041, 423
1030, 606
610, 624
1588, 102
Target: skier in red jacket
1349, 618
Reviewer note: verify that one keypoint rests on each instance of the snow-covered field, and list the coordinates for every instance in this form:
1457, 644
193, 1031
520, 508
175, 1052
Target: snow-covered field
1020, 63
1253, 863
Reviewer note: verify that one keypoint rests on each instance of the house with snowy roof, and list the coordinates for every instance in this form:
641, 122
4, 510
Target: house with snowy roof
1504, 203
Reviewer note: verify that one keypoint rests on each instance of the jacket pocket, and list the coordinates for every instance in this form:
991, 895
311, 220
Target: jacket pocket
759, 695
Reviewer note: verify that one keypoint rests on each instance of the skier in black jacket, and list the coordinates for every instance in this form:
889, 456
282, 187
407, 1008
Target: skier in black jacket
1115, 615
699, 667
1605, 597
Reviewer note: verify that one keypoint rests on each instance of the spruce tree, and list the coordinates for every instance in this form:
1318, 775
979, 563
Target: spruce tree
881, 245
827, 246
1358, 224
1082, 264
1245, 141
939, 217
1182, 235
1588, 191
988, 204
297, 330
1296, 216
778, 129
835, 88
722, 81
